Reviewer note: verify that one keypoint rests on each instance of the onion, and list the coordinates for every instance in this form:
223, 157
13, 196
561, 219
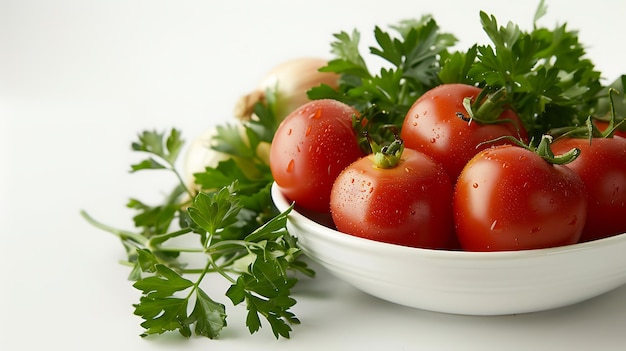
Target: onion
201, 155
290, 81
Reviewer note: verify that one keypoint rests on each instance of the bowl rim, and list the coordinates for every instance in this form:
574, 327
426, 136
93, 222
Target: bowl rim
282, 203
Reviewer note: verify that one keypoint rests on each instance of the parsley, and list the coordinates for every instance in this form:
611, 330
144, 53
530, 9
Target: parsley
548, 79
236, 230
413, 55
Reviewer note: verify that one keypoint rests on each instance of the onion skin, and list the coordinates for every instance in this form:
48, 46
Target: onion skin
201, 155
290, 80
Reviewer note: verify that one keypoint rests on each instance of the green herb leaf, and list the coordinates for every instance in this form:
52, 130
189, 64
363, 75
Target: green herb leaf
155, 143
209, 316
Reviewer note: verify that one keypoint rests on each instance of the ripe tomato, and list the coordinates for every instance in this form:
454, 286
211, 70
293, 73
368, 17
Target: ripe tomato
409, 204
602, 167
435, 125
509, 198
310, 147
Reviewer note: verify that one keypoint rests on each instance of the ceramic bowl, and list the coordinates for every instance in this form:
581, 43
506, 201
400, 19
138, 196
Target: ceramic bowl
469, 283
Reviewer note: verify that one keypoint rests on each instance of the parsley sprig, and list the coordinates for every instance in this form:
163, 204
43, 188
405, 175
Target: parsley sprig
546, 74
412, 53
233, 228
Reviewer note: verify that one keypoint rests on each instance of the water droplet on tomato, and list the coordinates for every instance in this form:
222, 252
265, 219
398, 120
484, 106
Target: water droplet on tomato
573, 221
433, 140
308, 131
505, 165
475, 185
494, 224
535, 230
316, 115
289, 131
290, 166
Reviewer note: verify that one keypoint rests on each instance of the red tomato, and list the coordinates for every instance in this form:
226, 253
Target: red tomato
434, 126
310, 147
602, 167
410, 204
509, 198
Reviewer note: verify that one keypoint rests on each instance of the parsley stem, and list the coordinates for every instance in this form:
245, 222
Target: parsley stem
182, 182
122, 234
212, 248
156, 240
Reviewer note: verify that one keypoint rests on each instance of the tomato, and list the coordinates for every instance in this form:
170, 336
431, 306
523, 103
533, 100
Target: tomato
510, 198
409, 204
312, 145
435, 125
602, 167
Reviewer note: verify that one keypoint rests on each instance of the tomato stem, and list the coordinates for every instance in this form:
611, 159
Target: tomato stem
387, 156
545, 151
486, 108
590, 130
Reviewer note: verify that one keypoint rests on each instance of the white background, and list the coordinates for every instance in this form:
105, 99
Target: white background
79, 79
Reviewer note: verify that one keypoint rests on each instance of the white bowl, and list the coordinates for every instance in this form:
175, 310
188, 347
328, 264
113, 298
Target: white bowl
471, 283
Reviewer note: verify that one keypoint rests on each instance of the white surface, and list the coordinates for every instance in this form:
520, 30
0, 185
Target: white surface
79, 79
467, 283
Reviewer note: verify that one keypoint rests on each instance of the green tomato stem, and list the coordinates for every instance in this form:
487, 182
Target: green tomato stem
389, 156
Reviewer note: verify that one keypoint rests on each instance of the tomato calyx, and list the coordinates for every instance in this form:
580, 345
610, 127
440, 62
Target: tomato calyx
590, 130
387, 156
543, 149
486, 108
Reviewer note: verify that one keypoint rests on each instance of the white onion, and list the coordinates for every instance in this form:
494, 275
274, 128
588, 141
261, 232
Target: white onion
290, 81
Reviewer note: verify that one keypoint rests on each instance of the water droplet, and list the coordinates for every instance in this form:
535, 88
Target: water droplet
535, 230
289, 131
573, 221
475, 185
316, 115
494, 224
522, 158
505, 165
308, 131
433, 140
290, 166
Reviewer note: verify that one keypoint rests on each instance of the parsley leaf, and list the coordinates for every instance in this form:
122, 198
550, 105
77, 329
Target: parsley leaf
413, 56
